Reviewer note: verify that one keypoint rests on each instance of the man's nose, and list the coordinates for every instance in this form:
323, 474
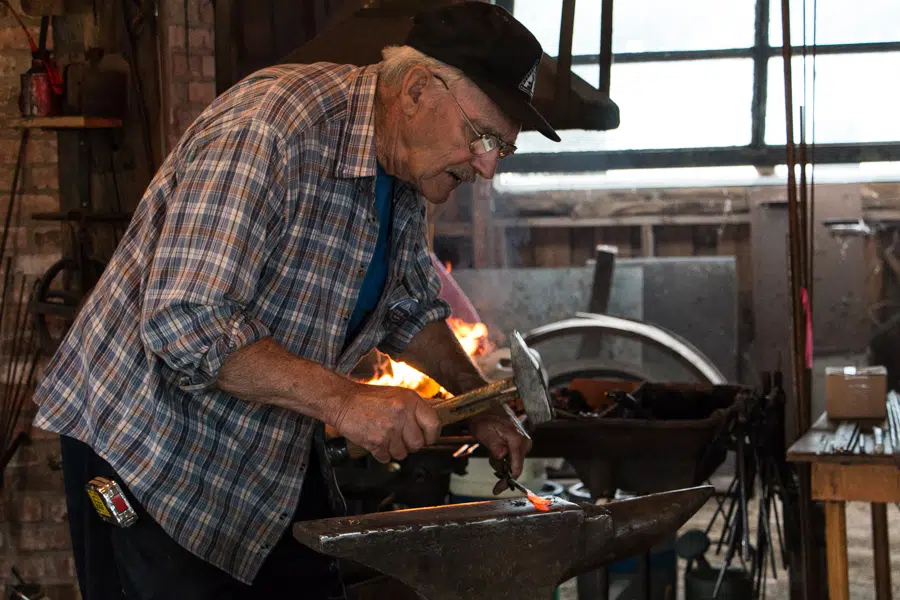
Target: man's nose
486, 164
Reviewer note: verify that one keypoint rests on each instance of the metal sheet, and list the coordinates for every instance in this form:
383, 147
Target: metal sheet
697, 299
840, 306
693, 297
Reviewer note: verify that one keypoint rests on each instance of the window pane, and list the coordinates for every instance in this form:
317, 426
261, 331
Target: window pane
838, 21
652, 25
644, 25
855, 100
666, 105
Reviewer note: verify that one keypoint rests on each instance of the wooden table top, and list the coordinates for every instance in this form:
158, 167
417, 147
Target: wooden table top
807, 448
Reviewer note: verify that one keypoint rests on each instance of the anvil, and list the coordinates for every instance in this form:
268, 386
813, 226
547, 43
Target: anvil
500, 549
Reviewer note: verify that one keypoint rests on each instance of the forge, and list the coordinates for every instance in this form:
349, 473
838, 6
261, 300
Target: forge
501, 549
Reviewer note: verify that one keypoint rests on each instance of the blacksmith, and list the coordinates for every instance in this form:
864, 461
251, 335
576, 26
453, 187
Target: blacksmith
283, 239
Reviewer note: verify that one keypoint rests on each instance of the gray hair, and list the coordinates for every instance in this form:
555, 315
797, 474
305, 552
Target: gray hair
400, 59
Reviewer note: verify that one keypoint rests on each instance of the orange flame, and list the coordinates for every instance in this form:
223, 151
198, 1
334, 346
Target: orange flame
472, 337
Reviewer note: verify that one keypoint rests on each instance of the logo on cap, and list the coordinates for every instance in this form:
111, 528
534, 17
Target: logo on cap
530, 80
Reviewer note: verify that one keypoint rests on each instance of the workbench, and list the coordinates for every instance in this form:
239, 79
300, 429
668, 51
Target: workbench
837, 479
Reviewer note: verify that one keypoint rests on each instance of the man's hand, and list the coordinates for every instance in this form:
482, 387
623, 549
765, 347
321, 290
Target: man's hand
389, 422
496, 430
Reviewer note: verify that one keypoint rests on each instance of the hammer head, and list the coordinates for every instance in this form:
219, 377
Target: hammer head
530, 382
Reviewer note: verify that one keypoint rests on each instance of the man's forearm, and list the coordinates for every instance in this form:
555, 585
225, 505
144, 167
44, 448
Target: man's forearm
436, 352
266, 373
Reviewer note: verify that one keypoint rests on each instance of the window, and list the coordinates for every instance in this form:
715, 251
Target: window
665, 105
838, 21
856, 100
644, 25
706, 99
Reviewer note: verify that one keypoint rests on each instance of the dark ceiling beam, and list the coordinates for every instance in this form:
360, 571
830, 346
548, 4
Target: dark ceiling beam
591, 162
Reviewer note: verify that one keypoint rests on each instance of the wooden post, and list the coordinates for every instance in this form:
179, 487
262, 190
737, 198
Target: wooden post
481, 223
881, 551
552, 246
836, 542
648, 241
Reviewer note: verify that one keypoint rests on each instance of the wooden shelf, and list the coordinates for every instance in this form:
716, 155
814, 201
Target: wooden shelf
66, 122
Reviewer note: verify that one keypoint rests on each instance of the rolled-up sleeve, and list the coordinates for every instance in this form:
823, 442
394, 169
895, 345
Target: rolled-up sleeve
424, 284
223, 219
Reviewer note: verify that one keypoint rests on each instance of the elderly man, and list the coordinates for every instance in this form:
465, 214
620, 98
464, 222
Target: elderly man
281, 241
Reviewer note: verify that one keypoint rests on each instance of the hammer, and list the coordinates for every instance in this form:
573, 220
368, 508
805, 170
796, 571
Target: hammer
527, 383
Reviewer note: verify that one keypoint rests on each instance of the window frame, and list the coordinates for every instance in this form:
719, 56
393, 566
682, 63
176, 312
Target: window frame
756, 153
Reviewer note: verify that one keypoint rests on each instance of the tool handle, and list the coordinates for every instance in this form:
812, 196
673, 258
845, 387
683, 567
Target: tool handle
450, 411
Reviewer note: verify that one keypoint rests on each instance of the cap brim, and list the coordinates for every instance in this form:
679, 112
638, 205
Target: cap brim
517, 108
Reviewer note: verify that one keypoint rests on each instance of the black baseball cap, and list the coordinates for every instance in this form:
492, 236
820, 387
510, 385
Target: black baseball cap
492, 48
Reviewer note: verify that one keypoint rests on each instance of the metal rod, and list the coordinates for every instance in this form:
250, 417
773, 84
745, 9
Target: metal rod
14, 189
726, 528
803, 202
11, 359
35, 358
795, 237
11, 390
5, 410
745, 518
720, 509
21, 386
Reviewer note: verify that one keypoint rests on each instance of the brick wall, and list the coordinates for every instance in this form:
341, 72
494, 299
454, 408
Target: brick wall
189, 62
33, 527
33, 521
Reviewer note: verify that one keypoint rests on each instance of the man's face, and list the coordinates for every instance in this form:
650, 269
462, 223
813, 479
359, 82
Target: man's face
441, 132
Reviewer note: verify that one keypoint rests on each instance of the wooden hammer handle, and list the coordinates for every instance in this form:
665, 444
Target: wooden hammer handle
459, 408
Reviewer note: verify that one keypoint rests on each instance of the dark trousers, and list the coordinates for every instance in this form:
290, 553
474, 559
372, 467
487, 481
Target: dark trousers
142, 562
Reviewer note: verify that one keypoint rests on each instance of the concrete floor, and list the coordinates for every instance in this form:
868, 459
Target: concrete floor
859, 535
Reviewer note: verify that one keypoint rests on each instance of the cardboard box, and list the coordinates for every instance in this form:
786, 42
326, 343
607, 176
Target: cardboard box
856, 393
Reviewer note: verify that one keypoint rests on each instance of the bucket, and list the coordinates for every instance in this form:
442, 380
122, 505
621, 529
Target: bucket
478, 483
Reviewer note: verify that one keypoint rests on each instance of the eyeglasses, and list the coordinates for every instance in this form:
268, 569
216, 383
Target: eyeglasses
484, 142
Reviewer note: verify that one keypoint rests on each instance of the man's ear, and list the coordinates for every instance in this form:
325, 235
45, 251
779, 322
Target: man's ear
414, 83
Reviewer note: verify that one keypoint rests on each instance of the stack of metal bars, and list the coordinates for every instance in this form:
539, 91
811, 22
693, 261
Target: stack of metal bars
893, 410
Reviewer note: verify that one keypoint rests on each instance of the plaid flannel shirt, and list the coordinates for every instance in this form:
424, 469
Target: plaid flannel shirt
259, 223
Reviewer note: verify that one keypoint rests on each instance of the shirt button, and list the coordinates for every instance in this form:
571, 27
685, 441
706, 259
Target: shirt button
265, 546
283, 516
